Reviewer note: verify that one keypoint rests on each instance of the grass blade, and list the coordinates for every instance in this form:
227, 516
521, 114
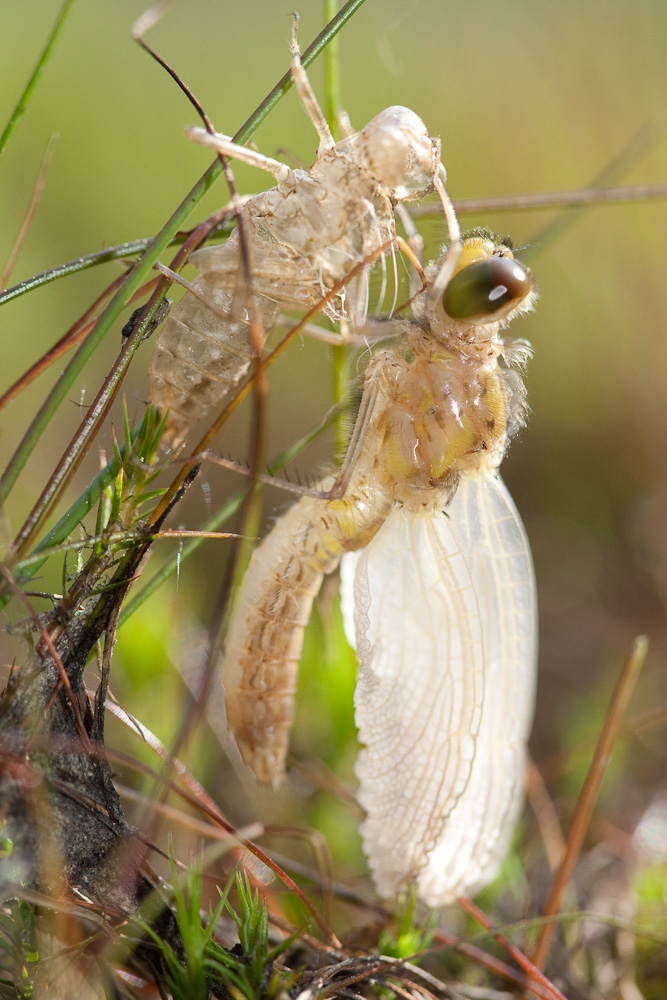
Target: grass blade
24, 99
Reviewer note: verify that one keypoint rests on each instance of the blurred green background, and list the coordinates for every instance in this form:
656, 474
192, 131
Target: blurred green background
528, 96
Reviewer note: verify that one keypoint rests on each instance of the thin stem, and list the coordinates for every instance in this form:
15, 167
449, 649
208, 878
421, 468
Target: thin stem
596, 772
543, 200
76, 333
38, 190
332, 76
80, 264
332, 104
636, 146
522, 960
24, 99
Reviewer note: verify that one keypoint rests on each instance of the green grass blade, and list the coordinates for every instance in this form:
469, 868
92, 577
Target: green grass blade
68, 522
24, 99
332, 104
74, 266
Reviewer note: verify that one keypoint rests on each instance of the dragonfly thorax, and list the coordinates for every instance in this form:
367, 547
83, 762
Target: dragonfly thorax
437, 416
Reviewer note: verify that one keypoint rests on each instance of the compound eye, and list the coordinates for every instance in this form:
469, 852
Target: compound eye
487, 290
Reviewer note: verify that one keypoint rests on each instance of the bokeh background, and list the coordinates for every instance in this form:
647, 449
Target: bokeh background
528, 96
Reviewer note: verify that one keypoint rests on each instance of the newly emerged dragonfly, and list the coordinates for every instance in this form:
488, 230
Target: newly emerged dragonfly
438, 589
303, 236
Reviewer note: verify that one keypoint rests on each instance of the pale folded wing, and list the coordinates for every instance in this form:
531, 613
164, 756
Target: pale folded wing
445, 632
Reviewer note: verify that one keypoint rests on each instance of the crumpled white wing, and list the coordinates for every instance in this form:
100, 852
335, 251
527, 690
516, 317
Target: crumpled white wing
445, 628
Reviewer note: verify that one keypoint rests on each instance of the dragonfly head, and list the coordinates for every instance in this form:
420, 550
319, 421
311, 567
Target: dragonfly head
487, 284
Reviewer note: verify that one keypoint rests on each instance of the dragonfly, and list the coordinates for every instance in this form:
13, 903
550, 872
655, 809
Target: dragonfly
437, 588
301, 237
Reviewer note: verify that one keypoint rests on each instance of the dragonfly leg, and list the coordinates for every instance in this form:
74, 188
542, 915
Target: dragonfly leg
307, 95
361, 424
450, 260
284, 175
416, 245
243, 470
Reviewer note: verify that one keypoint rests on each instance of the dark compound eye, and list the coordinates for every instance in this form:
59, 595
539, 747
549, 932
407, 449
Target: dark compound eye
487, 290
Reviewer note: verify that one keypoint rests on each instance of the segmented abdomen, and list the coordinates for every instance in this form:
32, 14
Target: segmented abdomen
272, 608
199, 356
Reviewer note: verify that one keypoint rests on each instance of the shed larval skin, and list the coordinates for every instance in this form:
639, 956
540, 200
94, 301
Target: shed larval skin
302, 238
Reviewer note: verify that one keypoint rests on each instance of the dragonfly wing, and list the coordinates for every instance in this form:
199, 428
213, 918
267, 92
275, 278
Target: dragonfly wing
445, 693
419, 692
478, 833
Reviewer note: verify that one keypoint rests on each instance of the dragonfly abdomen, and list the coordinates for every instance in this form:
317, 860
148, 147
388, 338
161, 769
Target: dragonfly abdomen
200, 356
265, 636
